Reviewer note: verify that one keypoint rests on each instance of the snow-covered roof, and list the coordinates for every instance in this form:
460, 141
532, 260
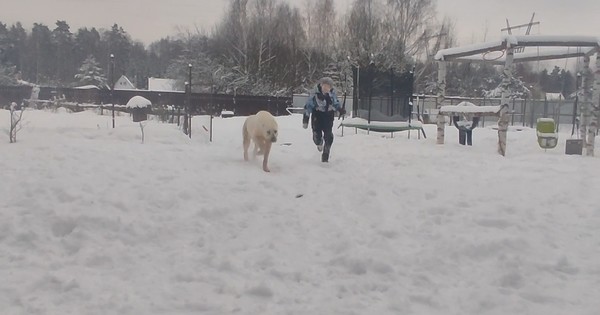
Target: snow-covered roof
469, 108
526, 56
468, 50
555, 40
87, 87
23, 82
519, 41
138, 102
162, 85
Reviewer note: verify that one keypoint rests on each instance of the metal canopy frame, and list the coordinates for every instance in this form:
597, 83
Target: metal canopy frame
511, 47
586, 46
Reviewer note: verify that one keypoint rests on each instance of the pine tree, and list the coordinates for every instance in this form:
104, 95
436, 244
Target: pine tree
62, 39
90, 72
7, 75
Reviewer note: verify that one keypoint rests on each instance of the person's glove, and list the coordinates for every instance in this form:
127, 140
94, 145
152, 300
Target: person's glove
305, 119
305, 125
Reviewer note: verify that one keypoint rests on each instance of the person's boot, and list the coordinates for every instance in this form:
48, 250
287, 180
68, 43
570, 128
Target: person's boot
325, 155
318, 142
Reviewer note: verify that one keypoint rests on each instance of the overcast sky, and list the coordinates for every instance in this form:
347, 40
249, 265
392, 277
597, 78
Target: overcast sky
149, 20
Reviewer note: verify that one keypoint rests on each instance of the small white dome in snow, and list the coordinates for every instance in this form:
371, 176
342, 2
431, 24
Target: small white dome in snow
138, 102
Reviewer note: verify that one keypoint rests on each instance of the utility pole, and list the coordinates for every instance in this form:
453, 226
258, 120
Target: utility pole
112, 87
189, 101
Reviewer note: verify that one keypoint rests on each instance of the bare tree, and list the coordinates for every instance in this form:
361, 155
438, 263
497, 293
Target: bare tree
232, 36
321, 25
287, 42
363, 31
321, 36
261, 29
439, 37
15, 122
407, 26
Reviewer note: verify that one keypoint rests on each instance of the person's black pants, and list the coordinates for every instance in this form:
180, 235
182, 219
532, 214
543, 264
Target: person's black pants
465, 137
322, 125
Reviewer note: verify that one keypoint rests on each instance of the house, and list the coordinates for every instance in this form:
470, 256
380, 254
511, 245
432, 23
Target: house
124, 84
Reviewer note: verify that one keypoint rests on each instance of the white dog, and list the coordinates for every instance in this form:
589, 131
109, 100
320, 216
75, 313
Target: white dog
261, 128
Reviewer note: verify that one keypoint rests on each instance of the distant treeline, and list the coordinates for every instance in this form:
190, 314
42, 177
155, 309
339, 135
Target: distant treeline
261, 47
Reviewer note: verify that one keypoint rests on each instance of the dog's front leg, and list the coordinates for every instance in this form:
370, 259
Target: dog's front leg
267, 150
261, 146
256, 147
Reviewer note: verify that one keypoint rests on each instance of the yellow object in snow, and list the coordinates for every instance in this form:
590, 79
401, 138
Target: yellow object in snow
546, 133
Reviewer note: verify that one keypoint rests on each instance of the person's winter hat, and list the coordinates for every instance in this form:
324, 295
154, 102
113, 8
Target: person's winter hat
326, 80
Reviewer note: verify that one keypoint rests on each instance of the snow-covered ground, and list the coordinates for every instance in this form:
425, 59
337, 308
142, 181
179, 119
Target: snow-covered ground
92, 221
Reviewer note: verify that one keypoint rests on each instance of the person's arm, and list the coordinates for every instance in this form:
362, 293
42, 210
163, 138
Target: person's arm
336, 104
335, 101
309, 106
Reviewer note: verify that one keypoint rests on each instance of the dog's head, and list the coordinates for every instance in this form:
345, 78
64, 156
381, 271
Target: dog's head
272, 135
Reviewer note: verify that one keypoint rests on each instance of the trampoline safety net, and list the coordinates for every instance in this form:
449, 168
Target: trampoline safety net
382, 95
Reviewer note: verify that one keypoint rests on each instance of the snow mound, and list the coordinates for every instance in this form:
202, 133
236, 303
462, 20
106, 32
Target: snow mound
63, 110
138, 102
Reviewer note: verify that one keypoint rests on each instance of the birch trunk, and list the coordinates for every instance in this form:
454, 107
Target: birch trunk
142, 128
587, 76
15, 120
441, 94
595, 109
12, 134
506, 92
